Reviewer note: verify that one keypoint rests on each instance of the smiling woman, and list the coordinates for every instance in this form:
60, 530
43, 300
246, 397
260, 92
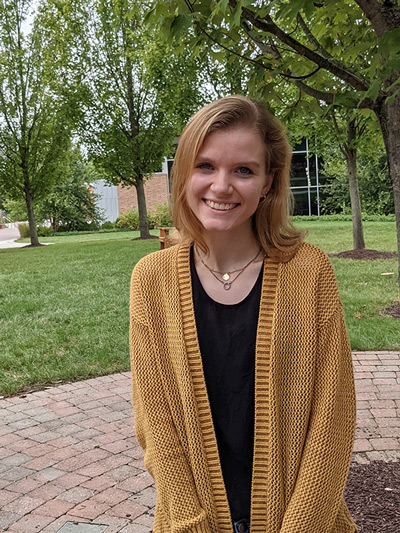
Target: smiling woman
242, 376
228, 181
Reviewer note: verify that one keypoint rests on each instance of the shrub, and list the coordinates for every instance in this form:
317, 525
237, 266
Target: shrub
82, 226
44, 232
159, 216
23, 230
129, 219
107, 225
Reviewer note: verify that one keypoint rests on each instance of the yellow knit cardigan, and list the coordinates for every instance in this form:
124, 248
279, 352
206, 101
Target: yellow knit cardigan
304, 399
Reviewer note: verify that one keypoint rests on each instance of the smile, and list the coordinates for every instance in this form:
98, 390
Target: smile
220, 207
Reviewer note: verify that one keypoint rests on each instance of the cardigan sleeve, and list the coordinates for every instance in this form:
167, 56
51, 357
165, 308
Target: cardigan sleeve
164, 457
317, 500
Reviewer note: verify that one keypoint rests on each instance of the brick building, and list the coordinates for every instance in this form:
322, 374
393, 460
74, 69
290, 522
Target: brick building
155, 190
114, 200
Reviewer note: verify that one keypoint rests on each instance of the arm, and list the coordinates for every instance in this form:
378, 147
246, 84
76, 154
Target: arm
164, 457
326, 455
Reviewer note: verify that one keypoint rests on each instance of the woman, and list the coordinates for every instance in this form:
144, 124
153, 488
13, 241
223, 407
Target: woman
242, 376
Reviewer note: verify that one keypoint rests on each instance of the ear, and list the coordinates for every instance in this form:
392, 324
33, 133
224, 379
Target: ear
268, 185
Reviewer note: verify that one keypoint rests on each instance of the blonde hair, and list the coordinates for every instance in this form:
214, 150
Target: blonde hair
271, 223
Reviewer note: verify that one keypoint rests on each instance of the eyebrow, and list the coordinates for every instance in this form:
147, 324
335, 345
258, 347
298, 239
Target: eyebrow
203, 159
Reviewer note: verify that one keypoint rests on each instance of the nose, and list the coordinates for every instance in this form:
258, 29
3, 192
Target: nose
221, 184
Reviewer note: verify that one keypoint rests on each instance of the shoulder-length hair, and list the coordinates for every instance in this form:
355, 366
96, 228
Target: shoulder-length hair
272, 226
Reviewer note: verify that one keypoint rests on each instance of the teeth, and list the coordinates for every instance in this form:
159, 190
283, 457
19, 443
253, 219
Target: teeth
221, 207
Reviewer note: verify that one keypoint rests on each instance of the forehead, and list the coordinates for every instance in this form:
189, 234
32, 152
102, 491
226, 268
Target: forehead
237, 139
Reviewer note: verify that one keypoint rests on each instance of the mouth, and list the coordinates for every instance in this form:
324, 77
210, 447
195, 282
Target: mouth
220, 207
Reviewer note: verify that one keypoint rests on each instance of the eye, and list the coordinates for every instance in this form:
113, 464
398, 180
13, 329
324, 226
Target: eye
204, 166
244, 170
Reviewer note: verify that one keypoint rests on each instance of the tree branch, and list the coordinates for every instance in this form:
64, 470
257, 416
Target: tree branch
267, 25
197, 23
317, 45
338, 134
273, 50
329, 98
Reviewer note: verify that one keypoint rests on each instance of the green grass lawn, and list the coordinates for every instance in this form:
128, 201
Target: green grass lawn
89, 237
64, 307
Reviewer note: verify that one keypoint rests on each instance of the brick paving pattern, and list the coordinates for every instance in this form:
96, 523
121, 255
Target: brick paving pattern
69, 456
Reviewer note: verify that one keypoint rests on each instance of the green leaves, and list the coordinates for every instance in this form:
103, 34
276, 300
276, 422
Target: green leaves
389, 43
290, 9
179, 24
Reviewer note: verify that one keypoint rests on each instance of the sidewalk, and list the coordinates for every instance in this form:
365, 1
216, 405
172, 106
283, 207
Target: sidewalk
8, 236
70, 462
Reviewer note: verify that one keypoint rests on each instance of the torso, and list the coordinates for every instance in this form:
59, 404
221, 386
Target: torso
227, 338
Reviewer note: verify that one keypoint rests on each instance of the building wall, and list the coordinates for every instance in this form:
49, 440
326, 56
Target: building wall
155, 190
107, 199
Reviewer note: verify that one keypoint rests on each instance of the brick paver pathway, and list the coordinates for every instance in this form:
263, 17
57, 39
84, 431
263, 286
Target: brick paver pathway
69, 455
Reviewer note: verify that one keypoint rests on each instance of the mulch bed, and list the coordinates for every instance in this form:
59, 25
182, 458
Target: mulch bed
394, 310
144, 238
373, 497
364, 254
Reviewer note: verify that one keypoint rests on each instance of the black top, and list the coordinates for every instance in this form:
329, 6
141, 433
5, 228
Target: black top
227, 339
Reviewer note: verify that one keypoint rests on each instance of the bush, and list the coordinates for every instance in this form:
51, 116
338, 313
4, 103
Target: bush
108, 225
129, 219
159, 216
81, 226
23, 230
44, 232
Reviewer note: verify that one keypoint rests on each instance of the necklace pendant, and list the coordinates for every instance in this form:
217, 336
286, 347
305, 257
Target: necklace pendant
227, 286
226, 276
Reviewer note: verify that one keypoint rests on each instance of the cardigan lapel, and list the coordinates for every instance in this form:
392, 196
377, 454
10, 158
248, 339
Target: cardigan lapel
262, 442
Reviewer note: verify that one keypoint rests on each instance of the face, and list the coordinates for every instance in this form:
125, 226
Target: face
228, 180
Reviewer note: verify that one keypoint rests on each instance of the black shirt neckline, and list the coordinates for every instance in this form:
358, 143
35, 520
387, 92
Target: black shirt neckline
201, 288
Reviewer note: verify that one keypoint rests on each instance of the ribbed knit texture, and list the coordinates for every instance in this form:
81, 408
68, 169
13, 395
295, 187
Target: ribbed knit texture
304, 399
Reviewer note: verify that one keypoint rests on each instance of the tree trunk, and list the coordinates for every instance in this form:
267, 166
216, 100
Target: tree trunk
31, 217
351, 160
134, 127
143, 224
389, 120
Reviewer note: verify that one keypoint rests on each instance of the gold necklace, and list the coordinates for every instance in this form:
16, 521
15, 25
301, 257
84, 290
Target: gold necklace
226, 276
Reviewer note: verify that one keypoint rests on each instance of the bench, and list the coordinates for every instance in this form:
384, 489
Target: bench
164, 236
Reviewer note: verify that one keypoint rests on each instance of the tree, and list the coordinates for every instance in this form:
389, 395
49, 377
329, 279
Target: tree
343, 54
71, 204
34, 113
375, 185
353, 133
139, 95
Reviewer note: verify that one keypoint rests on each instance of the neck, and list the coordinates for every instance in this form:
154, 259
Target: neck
227, 254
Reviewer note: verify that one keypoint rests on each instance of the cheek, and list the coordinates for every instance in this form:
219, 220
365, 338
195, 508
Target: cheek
191, 192
194, 187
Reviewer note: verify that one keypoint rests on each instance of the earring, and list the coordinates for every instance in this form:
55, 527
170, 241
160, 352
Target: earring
263, 197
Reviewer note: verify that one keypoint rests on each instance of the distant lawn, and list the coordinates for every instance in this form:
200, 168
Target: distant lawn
64, 308
334, 236
90, 237
64, 311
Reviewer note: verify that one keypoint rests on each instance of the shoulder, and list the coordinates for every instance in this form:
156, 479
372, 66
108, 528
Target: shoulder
311, 258
154, 281
309, 277
156, 264
161, 270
